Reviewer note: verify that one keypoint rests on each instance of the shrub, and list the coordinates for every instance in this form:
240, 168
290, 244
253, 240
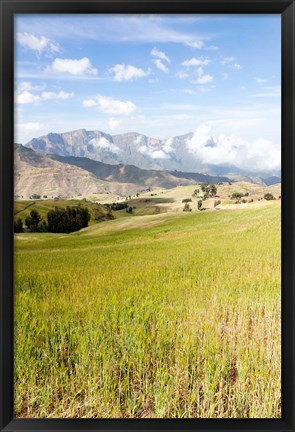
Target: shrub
187, 208
186, 200
200, 203
268, 196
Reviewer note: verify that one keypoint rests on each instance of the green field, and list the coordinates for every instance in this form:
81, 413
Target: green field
168, 315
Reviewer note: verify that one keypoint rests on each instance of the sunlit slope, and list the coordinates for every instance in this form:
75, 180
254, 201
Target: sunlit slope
153, 316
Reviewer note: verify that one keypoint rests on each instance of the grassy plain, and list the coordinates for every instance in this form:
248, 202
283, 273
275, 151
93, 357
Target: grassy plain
167, 315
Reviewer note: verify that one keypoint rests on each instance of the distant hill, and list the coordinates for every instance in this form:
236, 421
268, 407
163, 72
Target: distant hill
53, 175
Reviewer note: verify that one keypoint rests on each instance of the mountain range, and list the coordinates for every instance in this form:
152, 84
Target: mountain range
136, 149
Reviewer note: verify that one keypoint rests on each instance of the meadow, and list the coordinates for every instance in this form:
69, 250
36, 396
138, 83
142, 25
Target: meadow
166, 315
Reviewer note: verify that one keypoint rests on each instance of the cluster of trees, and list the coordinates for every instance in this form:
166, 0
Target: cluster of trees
209, 191
238, 195
59, 220
117, 206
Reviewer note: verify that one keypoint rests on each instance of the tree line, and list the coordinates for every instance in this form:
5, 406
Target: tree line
59, 220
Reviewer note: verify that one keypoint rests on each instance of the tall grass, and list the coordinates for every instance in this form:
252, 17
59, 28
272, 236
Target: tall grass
176, 319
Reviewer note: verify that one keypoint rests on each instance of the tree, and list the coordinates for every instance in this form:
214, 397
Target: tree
186, 200
200, 203
18, 226
33, 220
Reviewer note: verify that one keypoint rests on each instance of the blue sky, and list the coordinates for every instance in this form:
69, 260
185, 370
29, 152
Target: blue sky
160, 75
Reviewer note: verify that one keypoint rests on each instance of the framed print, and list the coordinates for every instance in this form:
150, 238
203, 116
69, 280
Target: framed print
147, 207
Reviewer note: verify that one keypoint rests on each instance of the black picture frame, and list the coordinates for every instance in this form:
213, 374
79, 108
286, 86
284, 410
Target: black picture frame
287, 10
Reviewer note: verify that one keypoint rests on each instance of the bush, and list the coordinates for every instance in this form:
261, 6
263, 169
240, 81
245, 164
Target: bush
268, 196
187, 208
200, 203
35, 196
186, 200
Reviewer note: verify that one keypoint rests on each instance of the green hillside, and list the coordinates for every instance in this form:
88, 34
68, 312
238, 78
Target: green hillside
22, 209
169, 315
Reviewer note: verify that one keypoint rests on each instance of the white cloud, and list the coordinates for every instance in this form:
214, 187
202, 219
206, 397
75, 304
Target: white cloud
111, 106
72, 66
53, 95
195, 44
103, 143
167, 147
37, 44
230, 62
26, 97
160, 65
201, 61
227, 60
159, 154
151, 152
258, 155
260, 80
202, 77
28, 86
182, 75
127, 72
88, 103
114, 123
236, 66
160, 54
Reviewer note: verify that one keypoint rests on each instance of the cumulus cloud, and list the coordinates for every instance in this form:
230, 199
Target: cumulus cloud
37, 44
26, 97
28, 86
111, 106
203, 78
160, 65
103, 143
128, 72
160, 58
195, 44
231, 62
53, 95
259, 155
160, 54
201, 61
81, 66
151, 152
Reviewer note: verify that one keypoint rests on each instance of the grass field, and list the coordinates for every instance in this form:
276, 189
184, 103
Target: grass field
168, 315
